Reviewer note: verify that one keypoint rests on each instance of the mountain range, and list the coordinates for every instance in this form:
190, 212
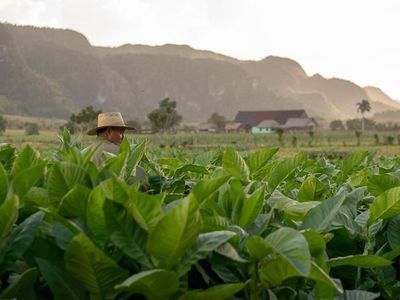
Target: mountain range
53, 72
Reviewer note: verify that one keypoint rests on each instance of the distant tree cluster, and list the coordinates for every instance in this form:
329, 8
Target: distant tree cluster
165, 118
357, 124
218, 121
31, 129
336, 125
363, 123
82, 120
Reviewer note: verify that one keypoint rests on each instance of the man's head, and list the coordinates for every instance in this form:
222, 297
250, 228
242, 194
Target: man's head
110, 126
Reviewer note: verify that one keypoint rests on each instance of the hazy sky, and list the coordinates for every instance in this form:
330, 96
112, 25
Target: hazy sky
358, 40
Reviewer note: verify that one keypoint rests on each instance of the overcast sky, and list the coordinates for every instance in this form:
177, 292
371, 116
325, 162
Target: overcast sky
358, 40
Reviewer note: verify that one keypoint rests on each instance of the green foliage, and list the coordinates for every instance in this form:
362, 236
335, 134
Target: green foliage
223, 224
363, 106
31, 129
165, 118
3, 124
356, 124
82, 120
218, 121
336, 125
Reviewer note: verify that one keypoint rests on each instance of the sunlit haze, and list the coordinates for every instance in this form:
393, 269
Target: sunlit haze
355, 40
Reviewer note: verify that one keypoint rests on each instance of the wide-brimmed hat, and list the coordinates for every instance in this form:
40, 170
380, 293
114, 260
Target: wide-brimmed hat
109, 119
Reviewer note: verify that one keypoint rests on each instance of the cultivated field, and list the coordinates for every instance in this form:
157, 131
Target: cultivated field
215, 224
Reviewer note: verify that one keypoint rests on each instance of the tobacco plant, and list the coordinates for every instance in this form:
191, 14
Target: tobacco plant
220, 225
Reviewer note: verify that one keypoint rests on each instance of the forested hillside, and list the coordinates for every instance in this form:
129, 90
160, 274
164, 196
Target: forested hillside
53, 72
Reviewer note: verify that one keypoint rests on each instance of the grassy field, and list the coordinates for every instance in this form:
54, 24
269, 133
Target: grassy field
16, 124
322, 141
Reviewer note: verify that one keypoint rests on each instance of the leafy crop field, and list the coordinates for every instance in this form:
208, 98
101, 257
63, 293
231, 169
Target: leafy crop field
218, 224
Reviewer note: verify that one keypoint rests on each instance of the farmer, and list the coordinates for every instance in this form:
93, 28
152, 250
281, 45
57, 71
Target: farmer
110, 131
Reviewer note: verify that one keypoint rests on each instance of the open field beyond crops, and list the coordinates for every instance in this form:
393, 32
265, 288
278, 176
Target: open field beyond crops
322, 142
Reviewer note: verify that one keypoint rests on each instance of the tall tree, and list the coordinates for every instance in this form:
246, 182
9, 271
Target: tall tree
218, 121
363, 107
164, 118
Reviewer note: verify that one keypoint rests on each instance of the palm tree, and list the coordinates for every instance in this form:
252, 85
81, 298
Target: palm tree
362, 107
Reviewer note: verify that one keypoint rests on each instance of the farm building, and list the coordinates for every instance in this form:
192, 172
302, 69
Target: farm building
266, 126
303, 124
268, 120
207, 127
233, 127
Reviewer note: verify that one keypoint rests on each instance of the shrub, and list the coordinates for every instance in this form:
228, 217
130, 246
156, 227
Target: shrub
31, 129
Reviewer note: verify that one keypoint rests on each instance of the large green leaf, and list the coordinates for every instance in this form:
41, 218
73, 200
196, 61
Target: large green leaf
274, 272
26, 179
378, 184
320, 217
125, 233
206, 243
74, 203
294, 209
37, 196
252, 207
7, 156
205, 188
19, 241
185, 169
3, 184
385, 206
115, 190
175, 233
92, 268
27, 158
95, 219
357, 295
235, 165
319, 275
289, 244
231, 202
284, 169
134, 158
61, 284
63, 177
393, 232
311, 189
258, 159
218, 292
154, 284
350, 163
292, 246
116, 166
23, 287
8, 216
230, 252
146, 209
257, 248
316, 242
362, 261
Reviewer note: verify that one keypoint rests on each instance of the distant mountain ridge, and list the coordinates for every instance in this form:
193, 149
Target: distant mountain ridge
135, 78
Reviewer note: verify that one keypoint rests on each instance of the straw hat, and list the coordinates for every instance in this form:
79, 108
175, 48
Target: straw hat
109, 119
